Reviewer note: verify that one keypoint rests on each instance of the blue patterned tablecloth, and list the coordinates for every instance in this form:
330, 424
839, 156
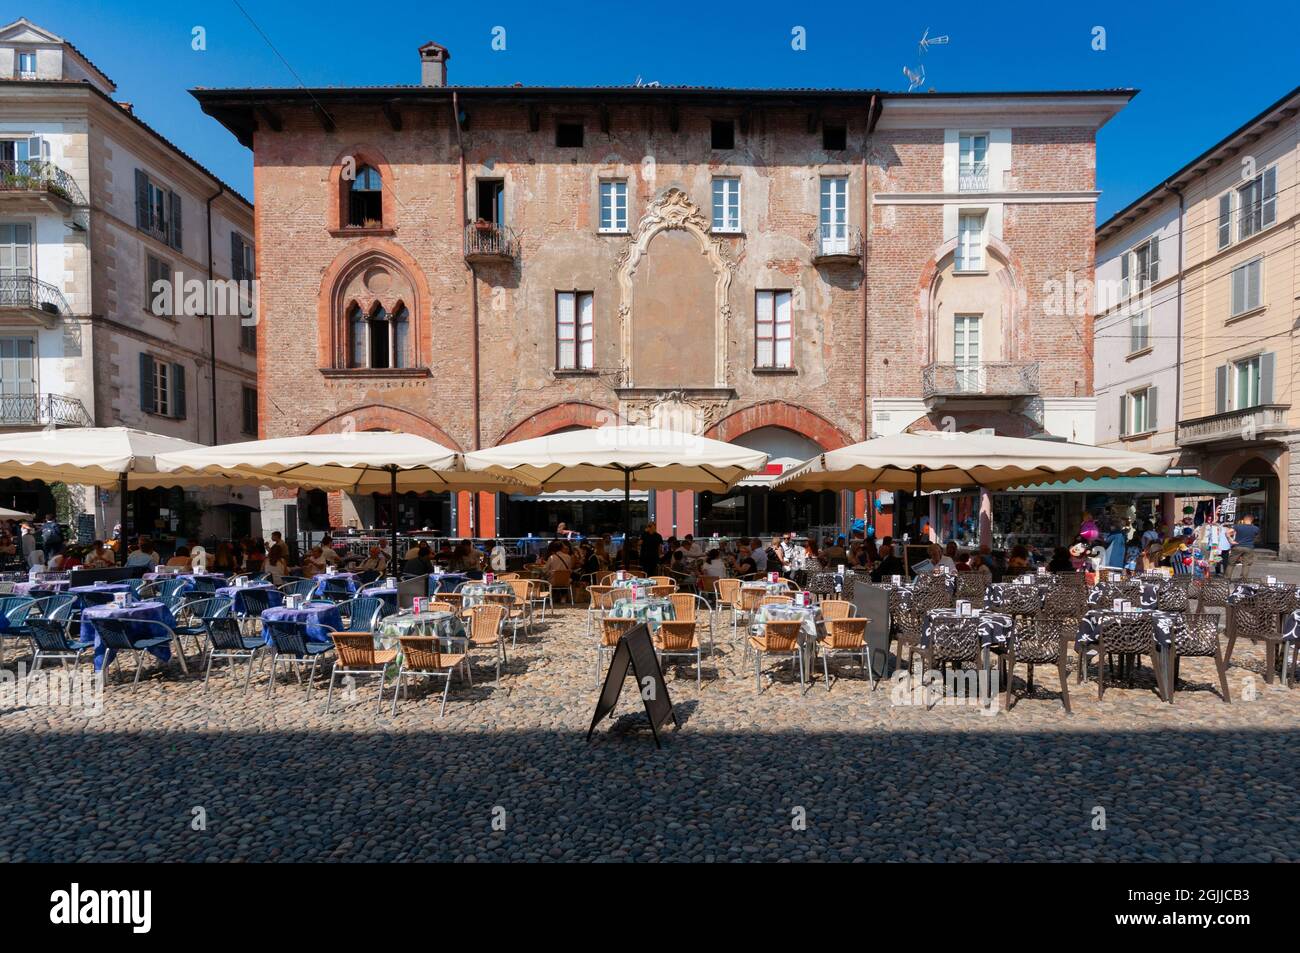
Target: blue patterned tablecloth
387, 594
347, 580
316, 615
236, 594
105, 591
149, 610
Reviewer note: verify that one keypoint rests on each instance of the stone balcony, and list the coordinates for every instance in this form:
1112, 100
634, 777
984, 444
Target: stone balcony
1001, 380
1263, 422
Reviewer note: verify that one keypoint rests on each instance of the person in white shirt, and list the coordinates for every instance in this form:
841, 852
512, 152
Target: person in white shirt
714, 566
328, 553
497, 558
691, 547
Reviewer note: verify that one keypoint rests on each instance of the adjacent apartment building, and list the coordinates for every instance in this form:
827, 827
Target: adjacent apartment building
95, 208
1197, 306
792, 270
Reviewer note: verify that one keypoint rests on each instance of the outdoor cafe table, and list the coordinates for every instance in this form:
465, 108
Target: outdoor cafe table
106, 589
1001, 594
1148, 595
772, 588
319, 618
39, 590
323, 579
1165, 627
473, 592
447, 626
236, 595
811, 629
1240, 592
447, 581
994, 627
652, 610
190, 576
147, 610
386, 594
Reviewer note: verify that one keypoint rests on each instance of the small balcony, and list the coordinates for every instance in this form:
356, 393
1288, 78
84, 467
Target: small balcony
1263, 422
27, 297
490, 242
973, 178
40, 180
836, 245
998, 380
43, 410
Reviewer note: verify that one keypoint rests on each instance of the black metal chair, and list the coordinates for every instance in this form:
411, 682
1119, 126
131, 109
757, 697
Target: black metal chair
117, 636
227, 640
1199, 639
289, 641
1045, 640
50, 640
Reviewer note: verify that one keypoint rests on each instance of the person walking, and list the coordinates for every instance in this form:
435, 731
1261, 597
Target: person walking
652, 545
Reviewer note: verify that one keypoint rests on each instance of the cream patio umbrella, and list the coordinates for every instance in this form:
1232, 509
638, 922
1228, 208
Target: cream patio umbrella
630, 457
364, 461
920, 462
104, 457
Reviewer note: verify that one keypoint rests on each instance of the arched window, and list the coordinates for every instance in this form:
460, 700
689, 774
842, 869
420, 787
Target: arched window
378, 339
366, 199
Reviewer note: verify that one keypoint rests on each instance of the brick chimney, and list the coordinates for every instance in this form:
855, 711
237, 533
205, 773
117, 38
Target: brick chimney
433, 65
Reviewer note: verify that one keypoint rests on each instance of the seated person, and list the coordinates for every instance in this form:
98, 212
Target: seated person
1018, 561
180, 559
374, 561
313, 563
888, 566
1060, 561
143, 554
328, 552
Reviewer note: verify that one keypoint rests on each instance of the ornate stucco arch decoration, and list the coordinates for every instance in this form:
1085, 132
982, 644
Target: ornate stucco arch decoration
1014, 298
339, 287
559, 417
384, 417
673, 209
777, 413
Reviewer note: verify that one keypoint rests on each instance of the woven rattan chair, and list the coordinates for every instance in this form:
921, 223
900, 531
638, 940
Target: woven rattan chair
835, 609
1043, 640
778, 638
676, 637
440, 606
611, 630
485, 632
663, 581
515, 612
524, 590
422, 657
355, 654
1200, 639
844, 636
561, 581
1066, 601
728, 598
771, 600
1258, 617
1211, 593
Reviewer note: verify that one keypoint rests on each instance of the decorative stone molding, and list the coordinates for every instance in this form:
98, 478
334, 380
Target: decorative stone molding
689, 411
674, 210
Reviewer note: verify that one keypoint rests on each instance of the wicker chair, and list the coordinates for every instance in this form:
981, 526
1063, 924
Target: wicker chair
691, 607
355, 654
1212, 593
1258, 617
515, 612
836, 609
657, 581
973, 587
1200, 639
728, 597
422, 658
561, 581
485, 632
525, 590
1128, 635
844, 636
1173, 598
778, 638
611, 630
599, 604
676, 637
1044, 641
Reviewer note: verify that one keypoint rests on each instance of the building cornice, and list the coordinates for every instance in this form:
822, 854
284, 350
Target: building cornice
1081, 197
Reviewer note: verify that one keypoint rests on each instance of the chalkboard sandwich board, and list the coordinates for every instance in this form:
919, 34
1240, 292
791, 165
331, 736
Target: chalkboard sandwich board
637, 652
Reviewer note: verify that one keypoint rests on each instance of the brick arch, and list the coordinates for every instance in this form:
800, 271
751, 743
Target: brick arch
382, 417
777, 413
1011, 277
336, 202
557, 417
331, 300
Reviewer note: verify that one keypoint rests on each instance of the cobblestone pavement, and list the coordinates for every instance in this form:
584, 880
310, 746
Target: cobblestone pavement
167, 773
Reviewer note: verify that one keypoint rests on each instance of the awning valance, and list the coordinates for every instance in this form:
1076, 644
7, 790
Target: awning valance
1178, 485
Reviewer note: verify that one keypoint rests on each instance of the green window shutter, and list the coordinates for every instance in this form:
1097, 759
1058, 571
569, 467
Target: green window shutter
1225, 219
1152, 409
1153, 269
1123, 415
146, 384
178, 391
1266, 378
141, 199
1221, 389
236, 257
174, 207
1123, 275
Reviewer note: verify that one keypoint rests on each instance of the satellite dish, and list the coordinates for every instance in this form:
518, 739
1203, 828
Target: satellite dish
914, 79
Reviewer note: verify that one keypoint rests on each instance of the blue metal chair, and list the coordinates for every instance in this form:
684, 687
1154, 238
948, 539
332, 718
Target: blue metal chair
15, 609
136, 585
256, 601
289, 640
61, 606
95, 598
117, 637
204, 585
50, 641
363, 612
227, 640
169, 589
336, 590
367, 577
300, 587
190, 613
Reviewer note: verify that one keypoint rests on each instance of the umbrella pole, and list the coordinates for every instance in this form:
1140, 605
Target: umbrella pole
916, 507
121, 518
627, 512
392, 515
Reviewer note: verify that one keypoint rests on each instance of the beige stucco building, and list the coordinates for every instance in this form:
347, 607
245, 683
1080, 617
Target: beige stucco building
1196, 320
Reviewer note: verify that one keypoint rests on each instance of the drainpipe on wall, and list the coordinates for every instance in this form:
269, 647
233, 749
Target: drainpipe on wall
212, 318
1178, 345
473, 293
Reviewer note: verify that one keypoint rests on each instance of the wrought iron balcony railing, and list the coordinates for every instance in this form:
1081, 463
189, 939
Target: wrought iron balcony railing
488, 241
42, 410
973, 178
1261, 422
834, 243
26, 291
991, 379
37, 175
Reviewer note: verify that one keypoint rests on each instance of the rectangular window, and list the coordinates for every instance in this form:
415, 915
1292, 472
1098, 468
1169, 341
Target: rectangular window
613, 205
491, 205
1146, 264
574, 349
723, 134
1141, 406
162, 387
1225, 219
970, 241
773, 329
157, 210
726, 205
1257, 203
966, 351
250, 410
568, 135
1139, 336
158, 287
972, 165
1247, 386
1247, 294
833, 215
835, 136
15, 263
27, 64
17, 372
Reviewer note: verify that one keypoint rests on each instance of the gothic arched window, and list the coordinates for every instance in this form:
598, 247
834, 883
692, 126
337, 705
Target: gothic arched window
378, 339
366, 199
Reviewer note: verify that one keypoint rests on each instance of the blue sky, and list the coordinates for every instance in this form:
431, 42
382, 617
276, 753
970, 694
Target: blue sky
1197, 84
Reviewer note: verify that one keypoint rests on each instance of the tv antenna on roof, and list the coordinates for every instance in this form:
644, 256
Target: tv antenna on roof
928, 41
914, 79
639, 82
